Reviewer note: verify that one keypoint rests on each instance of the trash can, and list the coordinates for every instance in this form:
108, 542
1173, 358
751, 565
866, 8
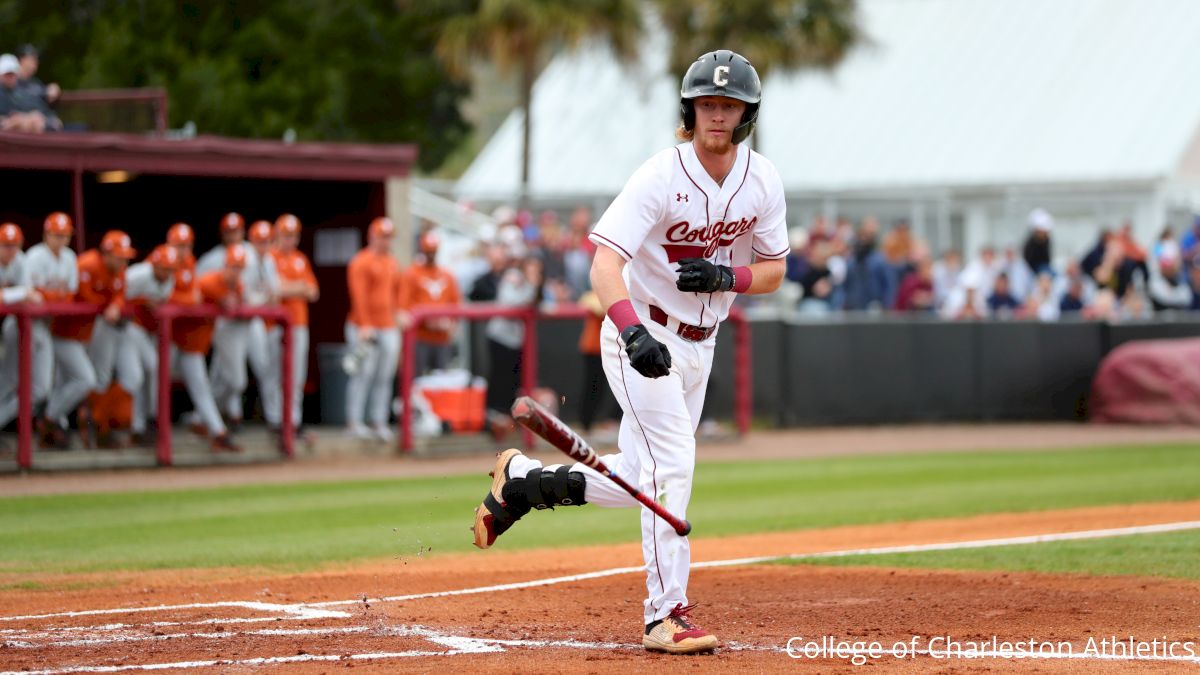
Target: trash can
333, 383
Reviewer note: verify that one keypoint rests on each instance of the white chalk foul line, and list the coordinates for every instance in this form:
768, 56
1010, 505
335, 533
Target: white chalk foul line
312, 611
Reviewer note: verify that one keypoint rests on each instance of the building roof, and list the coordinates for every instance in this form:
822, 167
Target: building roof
206, 156
950, 93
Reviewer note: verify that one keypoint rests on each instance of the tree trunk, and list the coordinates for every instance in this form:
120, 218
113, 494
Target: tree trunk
527, 77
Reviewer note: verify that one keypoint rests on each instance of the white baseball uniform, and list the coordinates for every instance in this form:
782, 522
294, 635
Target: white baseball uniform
14, 287
262, 284
63, 360
669, 210
140, 284
231, 338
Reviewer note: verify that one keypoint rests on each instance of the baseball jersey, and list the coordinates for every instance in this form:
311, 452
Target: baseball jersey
372, 279
294, 266
261, 279
97, 286
14, 280
672, 209
143, 293
214, 259
55, 276
197, 337
425, 285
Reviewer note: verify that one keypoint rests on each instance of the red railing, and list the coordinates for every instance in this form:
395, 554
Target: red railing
26, 313
155, 96
743, 396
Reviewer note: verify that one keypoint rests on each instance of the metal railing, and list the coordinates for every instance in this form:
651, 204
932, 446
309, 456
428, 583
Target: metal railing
25, 313
743, 395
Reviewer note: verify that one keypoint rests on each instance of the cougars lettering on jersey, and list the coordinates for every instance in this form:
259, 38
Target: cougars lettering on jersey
672, 209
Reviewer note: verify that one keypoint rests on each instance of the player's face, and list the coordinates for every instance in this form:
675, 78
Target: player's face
115, 264
161, 274
8, 252
716, 118
231, 237
56, 242
288, 242
184, 250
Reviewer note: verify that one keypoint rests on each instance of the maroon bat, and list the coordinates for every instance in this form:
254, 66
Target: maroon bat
542, 422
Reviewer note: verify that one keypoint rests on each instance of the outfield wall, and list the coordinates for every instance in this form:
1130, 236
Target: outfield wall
895, 370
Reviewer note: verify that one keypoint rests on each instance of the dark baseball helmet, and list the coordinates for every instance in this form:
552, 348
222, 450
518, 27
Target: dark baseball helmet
722, 73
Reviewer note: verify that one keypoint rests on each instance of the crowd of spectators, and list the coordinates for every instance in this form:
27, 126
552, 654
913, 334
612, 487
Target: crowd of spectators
838, 267
26, 103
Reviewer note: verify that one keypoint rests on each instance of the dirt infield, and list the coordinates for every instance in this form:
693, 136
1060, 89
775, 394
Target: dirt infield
433, 613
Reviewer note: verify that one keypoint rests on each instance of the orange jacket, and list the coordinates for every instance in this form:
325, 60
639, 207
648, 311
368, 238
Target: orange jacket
185, 294
293, 267
372, 279
425, 285
97, 286
196, 336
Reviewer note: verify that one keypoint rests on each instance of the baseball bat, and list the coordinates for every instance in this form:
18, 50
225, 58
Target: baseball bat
542, 422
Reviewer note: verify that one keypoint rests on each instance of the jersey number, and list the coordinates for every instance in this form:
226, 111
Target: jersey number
721, 76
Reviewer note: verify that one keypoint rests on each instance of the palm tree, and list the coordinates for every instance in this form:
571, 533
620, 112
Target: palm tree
520, 35
773, 34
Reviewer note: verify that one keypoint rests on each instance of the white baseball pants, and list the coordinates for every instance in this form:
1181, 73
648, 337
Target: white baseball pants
658, 454
299, 367
263, 354
195, 380
375, 380
227, 373
110, 353
43, 367
144, 349
75, 378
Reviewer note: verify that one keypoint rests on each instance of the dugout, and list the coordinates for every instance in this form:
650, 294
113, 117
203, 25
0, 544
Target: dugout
143, 185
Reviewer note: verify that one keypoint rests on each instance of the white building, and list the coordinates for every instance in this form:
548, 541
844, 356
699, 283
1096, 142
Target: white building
961, 115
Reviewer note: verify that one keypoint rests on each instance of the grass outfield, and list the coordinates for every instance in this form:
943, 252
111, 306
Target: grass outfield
1172, 554
299, 526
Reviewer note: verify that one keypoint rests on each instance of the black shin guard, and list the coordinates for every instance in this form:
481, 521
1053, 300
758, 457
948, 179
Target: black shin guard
544, 489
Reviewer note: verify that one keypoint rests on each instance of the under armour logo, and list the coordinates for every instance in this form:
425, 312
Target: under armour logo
680, 197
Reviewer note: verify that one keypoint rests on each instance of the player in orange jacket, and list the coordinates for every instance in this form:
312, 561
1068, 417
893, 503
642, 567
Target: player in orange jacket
222, 288
371, 332
85, 349
426, 284
297, 288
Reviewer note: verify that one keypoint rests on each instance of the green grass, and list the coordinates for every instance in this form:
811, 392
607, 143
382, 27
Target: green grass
1172, 554
299, 526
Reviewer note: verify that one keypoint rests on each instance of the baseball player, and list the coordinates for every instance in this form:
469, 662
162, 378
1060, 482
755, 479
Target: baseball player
86, 350
227, 372
53, 273
695, 225
15, 287
297, 288
372, 277
222, 288
148, 284
424, 283
262, 288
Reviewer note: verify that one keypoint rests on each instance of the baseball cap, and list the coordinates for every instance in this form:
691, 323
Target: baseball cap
232, 221
118, 243
261, 231
9, 64
1040, 219
11, 234
180, 233
58, 223
235, 256
382, 227
428, 243
287, 224
164, 255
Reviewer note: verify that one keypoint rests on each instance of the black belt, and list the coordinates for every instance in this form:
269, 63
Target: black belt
684, 330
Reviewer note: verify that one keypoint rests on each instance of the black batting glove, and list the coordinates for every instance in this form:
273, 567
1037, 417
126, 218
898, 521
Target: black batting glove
647, 355
697, 275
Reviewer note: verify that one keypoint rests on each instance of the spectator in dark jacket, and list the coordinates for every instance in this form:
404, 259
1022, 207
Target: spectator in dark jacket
869, 282
1037, 246
20, 108
27, 57
485, 287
